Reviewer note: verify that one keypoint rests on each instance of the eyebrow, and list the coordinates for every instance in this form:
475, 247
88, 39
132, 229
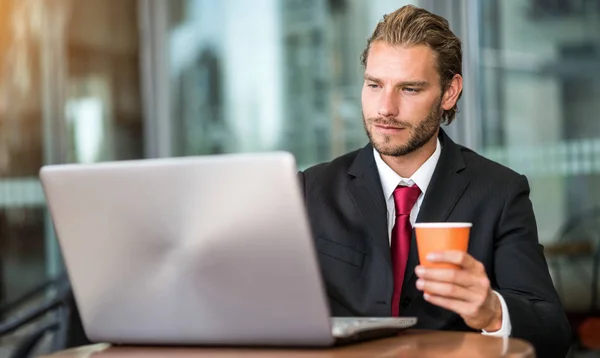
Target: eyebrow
401, 84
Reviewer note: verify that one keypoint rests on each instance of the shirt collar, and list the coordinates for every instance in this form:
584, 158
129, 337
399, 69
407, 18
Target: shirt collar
390, 179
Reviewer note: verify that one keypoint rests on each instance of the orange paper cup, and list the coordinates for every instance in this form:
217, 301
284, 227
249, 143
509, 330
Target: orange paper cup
443, 236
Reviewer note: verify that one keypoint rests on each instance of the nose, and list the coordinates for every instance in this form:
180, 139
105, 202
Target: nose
388, 104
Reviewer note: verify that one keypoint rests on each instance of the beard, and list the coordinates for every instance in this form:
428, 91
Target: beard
419, 134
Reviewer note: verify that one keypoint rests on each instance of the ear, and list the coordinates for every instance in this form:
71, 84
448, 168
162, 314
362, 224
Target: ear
452, 93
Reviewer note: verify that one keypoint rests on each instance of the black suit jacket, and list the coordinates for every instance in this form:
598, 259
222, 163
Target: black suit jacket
348, 215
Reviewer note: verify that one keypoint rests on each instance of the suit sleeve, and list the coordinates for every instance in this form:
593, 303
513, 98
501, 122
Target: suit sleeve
523, 279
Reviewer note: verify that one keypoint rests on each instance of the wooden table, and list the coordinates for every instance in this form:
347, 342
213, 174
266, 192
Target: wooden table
411, 343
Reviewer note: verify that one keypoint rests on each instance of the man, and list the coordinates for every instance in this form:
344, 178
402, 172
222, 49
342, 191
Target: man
412, 84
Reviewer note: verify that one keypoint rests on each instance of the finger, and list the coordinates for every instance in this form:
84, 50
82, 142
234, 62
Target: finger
463, 308
447, 290
459, 277
459, 258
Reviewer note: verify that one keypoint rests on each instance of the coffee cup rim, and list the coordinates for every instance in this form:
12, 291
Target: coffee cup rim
443, 225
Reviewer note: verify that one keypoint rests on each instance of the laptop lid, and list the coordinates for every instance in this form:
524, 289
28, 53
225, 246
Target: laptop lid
196, 250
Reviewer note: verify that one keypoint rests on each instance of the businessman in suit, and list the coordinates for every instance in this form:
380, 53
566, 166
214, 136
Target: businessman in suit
362, 205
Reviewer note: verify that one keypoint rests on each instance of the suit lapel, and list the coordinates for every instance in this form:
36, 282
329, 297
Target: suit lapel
447, 185
366, 192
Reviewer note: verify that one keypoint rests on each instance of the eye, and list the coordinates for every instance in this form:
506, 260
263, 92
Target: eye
411, 90
372, 85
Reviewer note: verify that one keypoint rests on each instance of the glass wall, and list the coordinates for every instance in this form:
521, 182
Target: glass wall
269, 74
69, 92
540, 83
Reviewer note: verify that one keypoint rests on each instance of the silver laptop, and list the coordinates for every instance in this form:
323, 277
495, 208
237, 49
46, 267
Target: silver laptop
212, 250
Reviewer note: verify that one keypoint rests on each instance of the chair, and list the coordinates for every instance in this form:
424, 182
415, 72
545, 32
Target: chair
57, 313
578, 243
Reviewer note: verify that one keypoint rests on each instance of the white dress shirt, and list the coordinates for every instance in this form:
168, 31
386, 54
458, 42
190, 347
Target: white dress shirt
390, 180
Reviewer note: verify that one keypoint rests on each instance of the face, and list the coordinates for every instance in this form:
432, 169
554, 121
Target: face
402, 98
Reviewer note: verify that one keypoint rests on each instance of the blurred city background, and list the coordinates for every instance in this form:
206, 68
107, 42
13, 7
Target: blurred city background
97, 80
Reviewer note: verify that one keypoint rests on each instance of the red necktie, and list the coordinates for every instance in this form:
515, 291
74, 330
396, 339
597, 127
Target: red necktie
405, 198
